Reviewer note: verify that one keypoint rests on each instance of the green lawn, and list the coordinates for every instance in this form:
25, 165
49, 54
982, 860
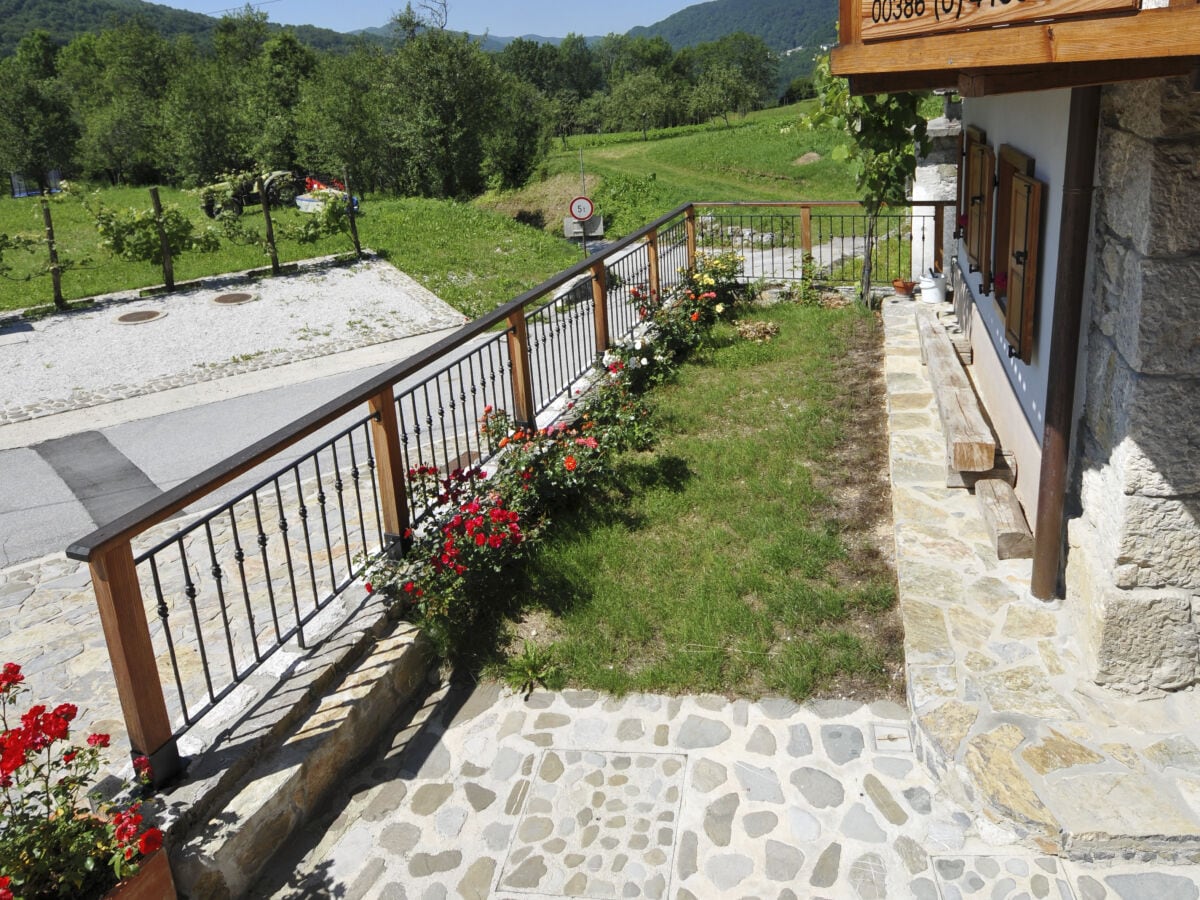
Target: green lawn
741, 557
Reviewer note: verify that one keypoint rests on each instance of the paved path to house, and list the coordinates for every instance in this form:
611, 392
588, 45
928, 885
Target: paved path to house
485, 794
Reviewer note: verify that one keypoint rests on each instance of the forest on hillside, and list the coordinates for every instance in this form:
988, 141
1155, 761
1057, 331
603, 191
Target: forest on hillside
431, 114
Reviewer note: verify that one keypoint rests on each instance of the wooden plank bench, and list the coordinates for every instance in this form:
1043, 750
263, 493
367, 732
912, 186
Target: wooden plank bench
970, 445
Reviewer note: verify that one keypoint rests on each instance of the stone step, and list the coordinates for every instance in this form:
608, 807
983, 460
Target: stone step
262, 778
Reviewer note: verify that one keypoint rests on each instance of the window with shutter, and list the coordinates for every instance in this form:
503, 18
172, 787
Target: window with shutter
1012, 162
967, 141
1024, 235
981, 177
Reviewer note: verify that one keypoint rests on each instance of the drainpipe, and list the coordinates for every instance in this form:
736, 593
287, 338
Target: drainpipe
1073, 240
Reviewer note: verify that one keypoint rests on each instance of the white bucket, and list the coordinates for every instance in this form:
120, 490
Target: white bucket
933, 288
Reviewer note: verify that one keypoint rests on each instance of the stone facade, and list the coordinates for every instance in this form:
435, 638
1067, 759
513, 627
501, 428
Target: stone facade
1133, 573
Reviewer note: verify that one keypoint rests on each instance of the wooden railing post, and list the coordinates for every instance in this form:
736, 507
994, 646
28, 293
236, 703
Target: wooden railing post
939, 226
652, 250
689, 219
389, 465
600, 304
123, 617
805, 231
522, 375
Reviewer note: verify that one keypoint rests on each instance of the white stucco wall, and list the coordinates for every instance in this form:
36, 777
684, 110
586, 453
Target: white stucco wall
1035, 124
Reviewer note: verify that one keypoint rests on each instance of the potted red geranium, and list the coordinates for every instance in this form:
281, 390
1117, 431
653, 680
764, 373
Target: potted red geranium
53, 843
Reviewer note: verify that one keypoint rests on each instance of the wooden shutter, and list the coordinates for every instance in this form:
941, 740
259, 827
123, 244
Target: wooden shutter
1012, 162
967, 140
1024, 236
981, 177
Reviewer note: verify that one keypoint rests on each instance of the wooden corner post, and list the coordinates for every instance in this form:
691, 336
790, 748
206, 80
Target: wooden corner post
689, 218
127, 634
389, 463
521, 370
806, 231
600, 304
652, 262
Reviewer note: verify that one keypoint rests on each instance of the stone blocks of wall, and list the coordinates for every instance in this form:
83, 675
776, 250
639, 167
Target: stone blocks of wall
1133, 573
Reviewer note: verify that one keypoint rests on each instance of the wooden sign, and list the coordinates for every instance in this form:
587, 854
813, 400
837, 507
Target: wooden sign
890, 19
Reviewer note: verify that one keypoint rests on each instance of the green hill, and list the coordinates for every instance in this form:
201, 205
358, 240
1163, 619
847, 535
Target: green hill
67, 19
782, 24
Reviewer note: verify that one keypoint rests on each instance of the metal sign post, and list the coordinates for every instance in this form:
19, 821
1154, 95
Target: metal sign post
581, 211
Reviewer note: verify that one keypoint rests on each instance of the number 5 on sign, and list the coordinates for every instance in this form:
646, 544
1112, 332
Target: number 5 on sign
582, 209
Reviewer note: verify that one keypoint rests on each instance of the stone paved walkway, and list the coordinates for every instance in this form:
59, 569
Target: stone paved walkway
485, 794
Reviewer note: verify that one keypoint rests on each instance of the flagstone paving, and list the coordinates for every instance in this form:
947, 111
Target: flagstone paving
579, 794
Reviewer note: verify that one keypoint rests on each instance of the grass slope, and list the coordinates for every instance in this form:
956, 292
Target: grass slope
767, 155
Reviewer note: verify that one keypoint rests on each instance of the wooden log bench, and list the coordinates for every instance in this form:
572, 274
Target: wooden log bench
973, 460
970, 445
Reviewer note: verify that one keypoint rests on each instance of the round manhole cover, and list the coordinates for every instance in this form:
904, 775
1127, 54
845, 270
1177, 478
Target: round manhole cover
233, 299
137, 318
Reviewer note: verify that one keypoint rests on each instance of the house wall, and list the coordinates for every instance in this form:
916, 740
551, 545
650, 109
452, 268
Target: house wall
1013, 392
1133, 573
1133, 561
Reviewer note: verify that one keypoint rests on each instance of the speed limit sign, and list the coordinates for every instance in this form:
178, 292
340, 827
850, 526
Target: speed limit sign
582, 209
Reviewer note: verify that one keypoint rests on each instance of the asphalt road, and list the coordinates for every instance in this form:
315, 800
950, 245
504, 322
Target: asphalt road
62, 476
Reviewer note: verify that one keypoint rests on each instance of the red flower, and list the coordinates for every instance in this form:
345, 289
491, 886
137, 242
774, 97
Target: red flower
570, 463
141, 765
69, 758
150, 841
11, 675
5, 893
409, 587
98, 740
370, 588
66, 711
695, 317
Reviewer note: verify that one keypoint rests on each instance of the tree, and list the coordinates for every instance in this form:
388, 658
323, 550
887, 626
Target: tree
205, 127
439, 107
746, 54
522, 134
274, 93
642, 101
577, 68
339, 118
37, 131
722, 90
117, 79
884, 134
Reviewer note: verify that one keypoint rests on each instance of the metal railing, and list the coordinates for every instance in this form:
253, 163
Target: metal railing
202, 608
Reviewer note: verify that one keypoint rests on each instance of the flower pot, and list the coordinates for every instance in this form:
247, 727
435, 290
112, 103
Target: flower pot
152, 882
902, 287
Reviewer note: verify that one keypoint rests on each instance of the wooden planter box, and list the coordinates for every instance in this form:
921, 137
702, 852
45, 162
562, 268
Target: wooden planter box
152, 882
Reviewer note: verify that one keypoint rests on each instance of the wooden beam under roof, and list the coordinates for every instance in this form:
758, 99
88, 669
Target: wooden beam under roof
1044, 78
1152, 34
1027, 78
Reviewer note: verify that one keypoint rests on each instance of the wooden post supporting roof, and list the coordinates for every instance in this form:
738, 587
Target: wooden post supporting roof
1074, 234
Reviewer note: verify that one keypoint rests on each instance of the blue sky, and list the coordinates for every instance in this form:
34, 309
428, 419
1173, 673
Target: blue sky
552, 18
